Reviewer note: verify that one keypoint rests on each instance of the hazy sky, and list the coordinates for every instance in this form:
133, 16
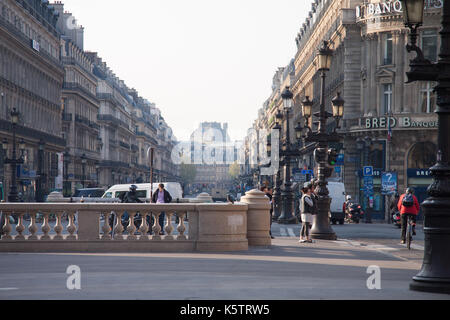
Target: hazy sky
198, 60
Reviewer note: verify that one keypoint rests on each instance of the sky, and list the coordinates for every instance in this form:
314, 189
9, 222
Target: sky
198, 60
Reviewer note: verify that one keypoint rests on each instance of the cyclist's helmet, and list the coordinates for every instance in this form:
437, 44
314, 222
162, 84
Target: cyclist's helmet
409, 190
133, 187
349, 197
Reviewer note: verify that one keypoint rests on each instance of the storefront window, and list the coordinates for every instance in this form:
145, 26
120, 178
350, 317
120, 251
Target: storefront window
422, 155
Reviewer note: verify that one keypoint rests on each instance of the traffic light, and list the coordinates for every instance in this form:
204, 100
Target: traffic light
332, 157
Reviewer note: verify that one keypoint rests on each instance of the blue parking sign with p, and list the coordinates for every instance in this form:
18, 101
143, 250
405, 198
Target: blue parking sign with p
368, 171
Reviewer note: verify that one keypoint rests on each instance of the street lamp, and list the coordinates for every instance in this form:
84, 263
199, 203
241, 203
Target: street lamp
321, 228
97, 171
40, 174
67, 189
435, 273
287, 211
14, 161
83, 168
338, 108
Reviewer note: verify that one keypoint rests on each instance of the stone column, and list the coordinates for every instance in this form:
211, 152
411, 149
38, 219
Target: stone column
258, 218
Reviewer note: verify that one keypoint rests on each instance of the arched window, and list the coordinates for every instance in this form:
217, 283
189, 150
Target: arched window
422, 155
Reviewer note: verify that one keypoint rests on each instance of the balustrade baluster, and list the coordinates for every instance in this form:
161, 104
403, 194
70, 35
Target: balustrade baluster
144, 227
32, 228
6, 228
106, 227
156, 227
118, 228
71, 228
181, 227
45, 227
20, 227
168, 226
58, 227
131, 227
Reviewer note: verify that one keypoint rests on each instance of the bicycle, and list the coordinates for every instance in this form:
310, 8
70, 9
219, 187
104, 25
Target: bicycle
409, 232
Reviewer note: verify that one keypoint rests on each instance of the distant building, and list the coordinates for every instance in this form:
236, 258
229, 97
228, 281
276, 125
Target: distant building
212, 154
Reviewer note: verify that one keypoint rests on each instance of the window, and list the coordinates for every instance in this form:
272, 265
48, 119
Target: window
429, 44
387, 98
387, 49
427, 98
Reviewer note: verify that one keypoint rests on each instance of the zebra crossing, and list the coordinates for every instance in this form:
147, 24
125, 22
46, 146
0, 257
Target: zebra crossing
287, 232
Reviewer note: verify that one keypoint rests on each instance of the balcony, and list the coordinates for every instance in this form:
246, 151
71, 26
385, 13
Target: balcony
72, 86
112, 119
124, 145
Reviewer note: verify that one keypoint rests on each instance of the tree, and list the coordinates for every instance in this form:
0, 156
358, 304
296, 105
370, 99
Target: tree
234, 170
188, 172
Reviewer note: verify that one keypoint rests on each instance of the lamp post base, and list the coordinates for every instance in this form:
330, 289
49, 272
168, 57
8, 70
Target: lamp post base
430, 285
324, 236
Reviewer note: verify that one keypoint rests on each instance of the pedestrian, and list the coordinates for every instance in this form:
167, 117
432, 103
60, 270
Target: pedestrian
408, 205
129, 197
306, 211
161, 196
393, 209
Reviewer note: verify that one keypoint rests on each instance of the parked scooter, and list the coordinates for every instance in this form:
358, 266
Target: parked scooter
397, 219
354, 212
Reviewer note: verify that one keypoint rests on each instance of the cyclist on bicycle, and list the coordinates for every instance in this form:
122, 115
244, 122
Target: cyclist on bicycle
408, 205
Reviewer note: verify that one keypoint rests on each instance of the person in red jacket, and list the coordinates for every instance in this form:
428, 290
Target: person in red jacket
408, 205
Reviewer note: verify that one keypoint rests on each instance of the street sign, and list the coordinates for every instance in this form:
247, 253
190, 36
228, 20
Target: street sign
311, 172
368, 171
388, 183
340, 160
337, 169
368, 186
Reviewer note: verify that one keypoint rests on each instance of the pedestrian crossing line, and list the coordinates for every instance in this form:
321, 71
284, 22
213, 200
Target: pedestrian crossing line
283, 232
291, 232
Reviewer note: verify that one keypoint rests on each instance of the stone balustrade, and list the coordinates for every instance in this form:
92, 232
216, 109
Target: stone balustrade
87, 228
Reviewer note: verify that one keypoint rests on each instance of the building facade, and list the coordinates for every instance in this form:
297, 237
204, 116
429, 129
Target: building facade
80, 107
31, 80
388, 124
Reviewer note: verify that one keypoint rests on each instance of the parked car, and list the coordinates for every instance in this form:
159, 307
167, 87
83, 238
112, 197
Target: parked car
337, 195
144, 190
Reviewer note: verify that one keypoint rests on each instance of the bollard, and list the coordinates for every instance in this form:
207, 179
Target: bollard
258, 218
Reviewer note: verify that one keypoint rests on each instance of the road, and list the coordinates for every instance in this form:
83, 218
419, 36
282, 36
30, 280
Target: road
286, 270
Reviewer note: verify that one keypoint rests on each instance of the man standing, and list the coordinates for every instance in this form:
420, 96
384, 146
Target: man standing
161, 196
408, 205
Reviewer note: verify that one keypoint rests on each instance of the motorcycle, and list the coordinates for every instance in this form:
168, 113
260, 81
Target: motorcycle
354, 213
397, 219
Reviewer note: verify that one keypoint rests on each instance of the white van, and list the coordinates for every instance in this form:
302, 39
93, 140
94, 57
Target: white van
144, 190
337, 195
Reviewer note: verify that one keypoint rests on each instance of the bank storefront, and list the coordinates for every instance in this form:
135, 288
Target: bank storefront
398, 144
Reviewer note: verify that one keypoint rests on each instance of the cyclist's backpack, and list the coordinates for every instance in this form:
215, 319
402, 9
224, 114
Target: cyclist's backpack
408, 200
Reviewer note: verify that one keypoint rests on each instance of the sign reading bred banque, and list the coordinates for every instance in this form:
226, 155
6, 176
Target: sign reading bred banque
393, 122
390, 7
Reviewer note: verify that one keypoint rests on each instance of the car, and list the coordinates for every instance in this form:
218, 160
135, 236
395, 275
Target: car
89, 193
144, 190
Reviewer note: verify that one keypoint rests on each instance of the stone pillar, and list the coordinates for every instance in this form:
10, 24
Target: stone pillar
258, 218
88, 225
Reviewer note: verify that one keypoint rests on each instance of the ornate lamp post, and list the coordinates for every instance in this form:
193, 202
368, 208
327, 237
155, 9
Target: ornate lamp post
321, 228
435, 273
83, 169
14, 161
277, 180
97, 172
40, 173
67, 188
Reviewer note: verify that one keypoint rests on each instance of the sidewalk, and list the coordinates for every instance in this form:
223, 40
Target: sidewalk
286, 270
